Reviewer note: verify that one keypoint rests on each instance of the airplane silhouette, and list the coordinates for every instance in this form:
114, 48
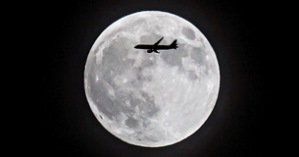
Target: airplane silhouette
155, 47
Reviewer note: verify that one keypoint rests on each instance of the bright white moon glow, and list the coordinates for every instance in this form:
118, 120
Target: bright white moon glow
150, 99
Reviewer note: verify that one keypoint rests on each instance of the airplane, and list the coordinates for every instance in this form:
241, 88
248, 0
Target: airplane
155, 47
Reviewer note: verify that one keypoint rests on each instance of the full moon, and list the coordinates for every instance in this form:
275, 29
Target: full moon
150, 99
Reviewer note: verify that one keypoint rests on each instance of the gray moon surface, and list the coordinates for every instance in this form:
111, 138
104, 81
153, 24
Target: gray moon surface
150, 99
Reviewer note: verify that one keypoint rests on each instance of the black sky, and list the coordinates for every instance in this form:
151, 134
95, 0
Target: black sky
238, 32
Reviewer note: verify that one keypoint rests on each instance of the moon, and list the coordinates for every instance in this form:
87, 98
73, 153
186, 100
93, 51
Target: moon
149, 99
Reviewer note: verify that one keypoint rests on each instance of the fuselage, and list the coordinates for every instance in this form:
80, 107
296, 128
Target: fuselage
158, 47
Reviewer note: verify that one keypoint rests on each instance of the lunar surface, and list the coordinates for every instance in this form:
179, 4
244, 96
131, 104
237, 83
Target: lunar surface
150, 99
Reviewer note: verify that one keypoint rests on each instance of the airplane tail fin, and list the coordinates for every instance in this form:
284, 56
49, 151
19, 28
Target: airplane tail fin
174, 44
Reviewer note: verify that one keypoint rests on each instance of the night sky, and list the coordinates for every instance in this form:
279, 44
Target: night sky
237, 31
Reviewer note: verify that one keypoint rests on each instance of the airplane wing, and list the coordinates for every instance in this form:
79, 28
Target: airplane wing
158, 41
